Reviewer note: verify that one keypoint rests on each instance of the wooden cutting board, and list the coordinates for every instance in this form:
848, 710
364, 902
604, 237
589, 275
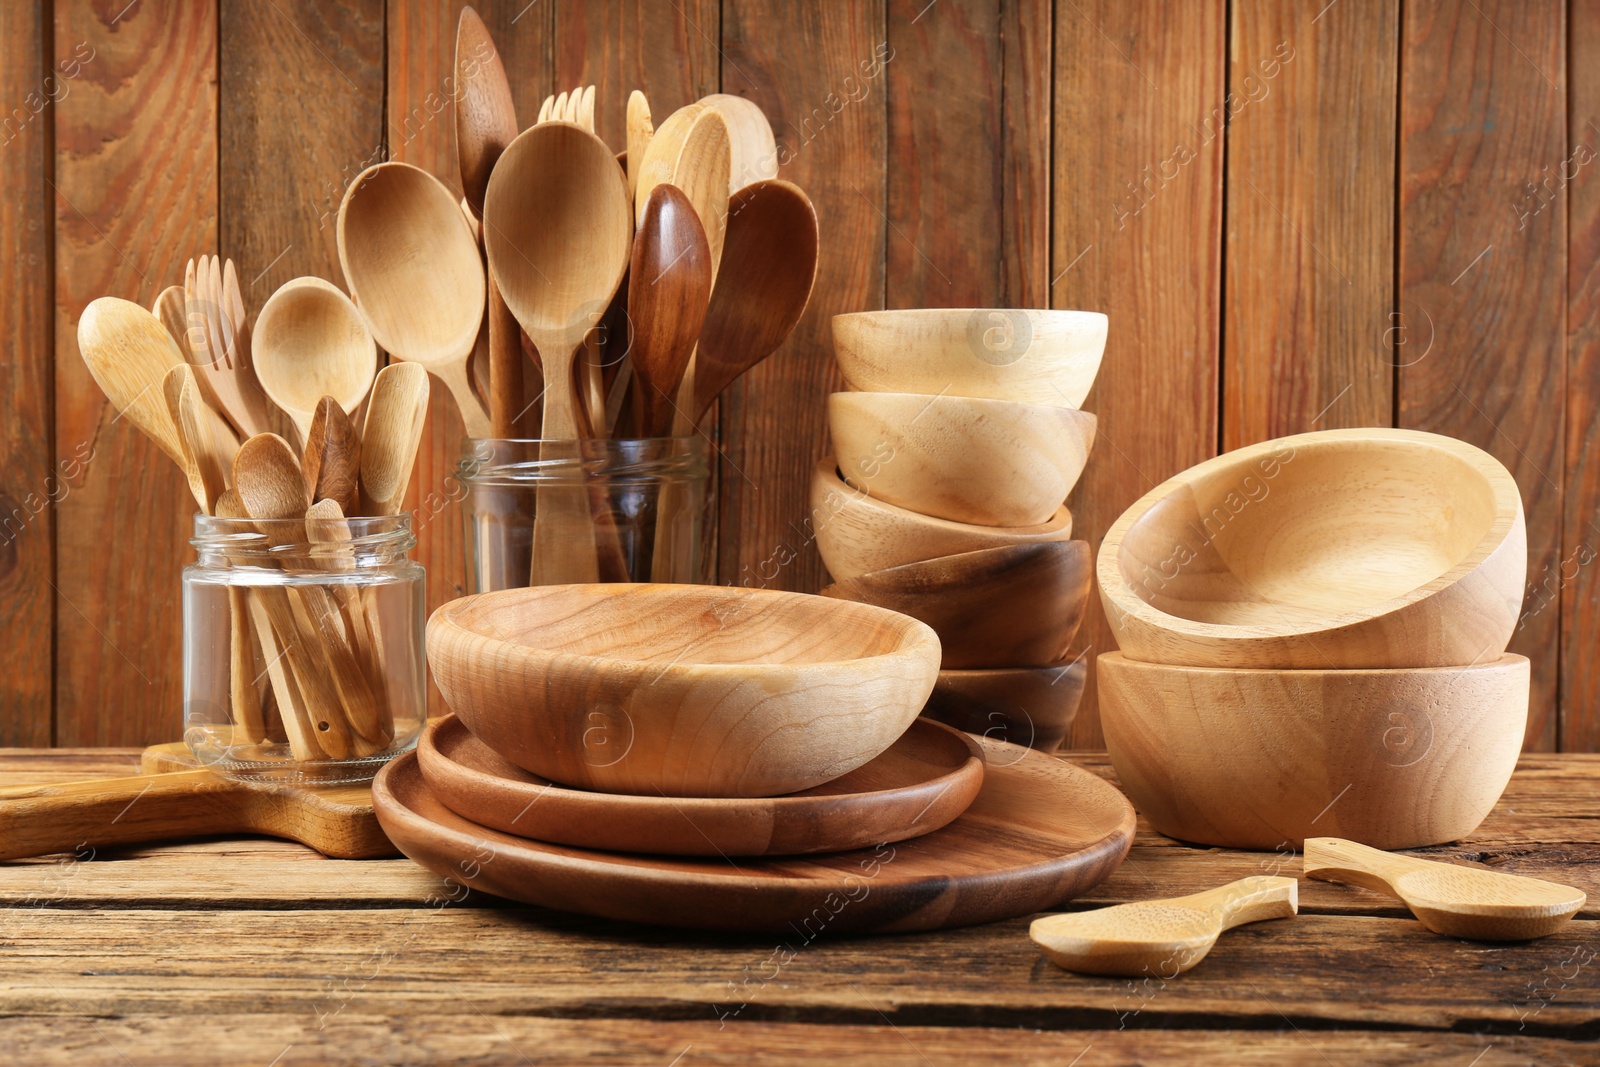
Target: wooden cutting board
176, 798
1040, 832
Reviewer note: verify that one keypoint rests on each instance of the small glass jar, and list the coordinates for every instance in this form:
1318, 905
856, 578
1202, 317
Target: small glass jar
556, 512
303, 652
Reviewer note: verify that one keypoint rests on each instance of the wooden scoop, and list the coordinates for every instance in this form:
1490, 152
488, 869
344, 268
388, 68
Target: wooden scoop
1160, 938
129, 353
1450, 899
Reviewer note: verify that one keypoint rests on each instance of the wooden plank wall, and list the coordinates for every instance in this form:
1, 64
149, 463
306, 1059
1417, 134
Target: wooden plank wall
1297, 214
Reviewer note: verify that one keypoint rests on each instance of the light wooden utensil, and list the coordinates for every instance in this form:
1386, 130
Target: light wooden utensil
332, 458
390, 438
327, 526
681, 690
310, 342
219, 344
415, 272
1400, 758
1160, 938
857, 533
966, 459
486, 116
575, 107
206, 438
640, 131
128, 353
1032, 357
245, 650
1032, 706
668, 289
1013, 606
171, 307
753, 151
769, 263
691, 151
1336, 549
1449, 898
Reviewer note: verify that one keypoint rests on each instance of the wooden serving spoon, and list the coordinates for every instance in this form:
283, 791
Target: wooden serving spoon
668, 289
414, 270
390, 438
1160, 938
1450, 899
753, 149
332, 460
486, 116
770, 265
310, 342
691, 151
128, 353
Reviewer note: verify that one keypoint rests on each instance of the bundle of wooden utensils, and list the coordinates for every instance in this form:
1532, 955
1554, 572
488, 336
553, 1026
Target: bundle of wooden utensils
307, 665
953, 454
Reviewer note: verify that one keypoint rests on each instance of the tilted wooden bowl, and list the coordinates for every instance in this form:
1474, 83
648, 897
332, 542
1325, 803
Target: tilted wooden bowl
682, 690
1263, 759
1031, 706
1343, 548
988, 462
1013, 606
857, 533
1036, 357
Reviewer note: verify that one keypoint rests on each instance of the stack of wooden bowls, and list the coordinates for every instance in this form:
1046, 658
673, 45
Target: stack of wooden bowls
954, 452
1313, 636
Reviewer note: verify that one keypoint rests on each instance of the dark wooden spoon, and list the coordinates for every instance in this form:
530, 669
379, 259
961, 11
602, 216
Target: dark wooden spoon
669, 285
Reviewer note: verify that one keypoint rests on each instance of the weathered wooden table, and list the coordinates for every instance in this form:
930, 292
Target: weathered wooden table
255, 951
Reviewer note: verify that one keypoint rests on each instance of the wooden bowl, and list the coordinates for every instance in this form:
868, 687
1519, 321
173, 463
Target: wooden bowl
1025, 706
1013, 606
1262, 759
857, 533
1344, 548
988, 462
682, 690
1035, 357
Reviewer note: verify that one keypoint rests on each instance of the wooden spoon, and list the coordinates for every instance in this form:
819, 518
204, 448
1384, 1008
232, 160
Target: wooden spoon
129, 353
669, 285
171, 308
691, 151
208, 442
640, 131
1160, 938
753, 151
486, 116
310, 343
771, 263
1450, 899
390, 438
414, 270
332, 461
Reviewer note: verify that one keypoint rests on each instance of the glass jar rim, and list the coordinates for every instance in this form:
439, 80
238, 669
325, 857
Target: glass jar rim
512, 461
366, 533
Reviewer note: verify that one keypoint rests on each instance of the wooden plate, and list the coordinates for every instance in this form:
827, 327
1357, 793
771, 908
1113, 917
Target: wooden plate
923, 781
1040, 833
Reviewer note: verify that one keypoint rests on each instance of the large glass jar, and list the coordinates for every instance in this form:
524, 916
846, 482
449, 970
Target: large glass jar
303, 652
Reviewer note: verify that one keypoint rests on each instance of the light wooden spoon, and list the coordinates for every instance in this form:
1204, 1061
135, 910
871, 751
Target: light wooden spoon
1450, 899
391, 435
310, 342
171, 307
129, 353
640, 131
668, 288
1160, 938
208, 442
332, 459
691, 151
753, 149
414, 270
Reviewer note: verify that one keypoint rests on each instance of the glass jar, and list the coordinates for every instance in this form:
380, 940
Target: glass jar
303, 647
555, 512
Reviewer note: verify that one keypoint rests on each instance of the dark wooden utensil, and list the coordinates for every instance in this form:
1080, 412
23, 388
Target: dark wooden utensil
669, 284
332, 460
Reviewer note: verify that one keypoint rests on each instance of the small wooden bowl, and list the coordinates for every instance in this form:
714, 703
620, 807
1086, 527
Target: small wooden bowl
1013, 606
681, 690
1262, 759
987, 462
1025, 706
1343, 548
1035, 357
857, 533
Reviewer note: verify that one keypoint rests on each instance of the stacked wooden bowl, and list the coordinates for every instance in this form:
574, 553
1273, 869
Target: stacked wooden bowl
954, 452
1313, 636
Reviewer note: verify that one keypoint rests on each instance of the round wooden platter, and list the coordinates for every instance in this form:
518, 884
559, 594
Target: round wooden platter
1040, 832
926, 778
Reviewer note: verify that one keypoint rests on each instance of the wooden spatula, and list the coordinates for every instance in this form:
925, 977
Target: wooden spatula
1450, 899
176, 798
1160, 938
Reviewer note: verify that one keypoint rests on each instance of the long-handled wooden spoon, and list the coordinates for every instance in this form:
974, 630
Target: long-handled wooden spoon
310, 342
129, 353
691, 151
753, 154
415, 273
1449, 899
332, 459
668, 289
1160, 938
390, 438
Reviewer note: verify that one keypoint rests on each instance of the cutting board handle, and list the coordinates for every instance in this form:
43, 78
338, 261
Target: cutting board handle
40, 820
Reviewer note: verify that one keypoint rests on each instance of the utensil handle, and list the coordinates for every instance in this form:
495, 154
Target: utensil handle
1248, 900
505, 366
1333, 859
39, 820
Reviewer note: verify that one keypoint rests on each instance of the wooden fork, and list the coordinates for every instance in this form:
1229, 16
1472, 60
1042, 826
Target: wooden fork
219, 343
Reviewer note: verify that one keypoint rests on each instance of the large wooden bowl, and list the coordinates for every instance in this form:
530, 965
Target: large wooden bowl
1036, 357
1013, 606
1344, 548
1032, 706
857, 533
691, 691
988, 462
1262, 759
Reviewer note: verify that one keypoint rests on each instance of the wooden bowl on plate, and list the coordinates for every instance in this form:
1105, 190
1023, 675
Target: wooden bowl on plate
987, 462
1035, 357
1262, 759
1343, 548
857, 533
681, 690
1032, 706
1012, 606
